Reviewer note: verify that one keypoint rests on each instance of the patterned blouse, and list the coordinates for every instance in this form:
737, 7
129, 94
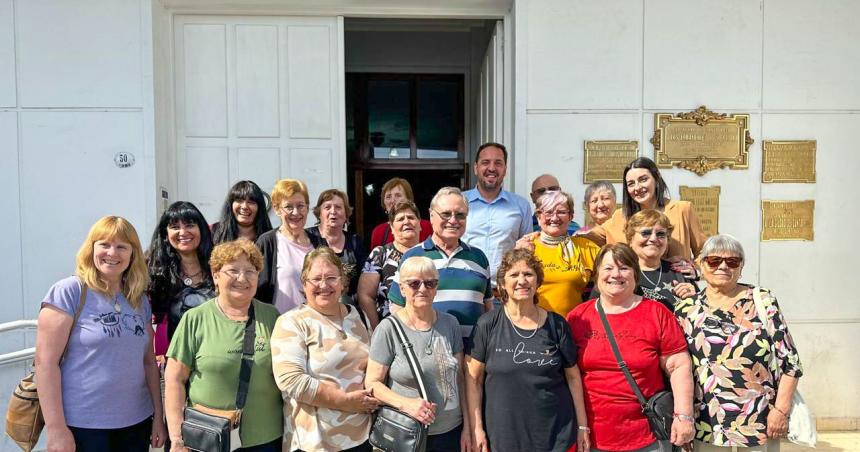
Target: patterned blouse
735, 370
383, 260
309, 350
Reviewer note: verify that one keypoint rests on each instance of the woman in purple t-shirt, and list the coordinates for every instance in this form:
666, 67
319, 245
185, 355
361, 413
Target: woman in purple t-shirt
105, 393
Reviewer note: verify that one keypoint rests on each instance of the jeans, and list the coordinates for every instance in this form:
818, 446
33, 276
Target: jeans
445, 442
134, 438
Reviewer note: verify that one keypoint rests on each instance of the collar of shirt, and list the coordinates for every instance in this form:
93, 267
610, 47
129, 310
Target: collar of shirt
429, 245
475, 195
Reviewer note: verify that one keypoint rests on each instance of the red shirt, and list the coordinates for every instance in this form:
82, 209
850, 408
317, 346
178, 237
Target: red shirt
644, 334
379, 232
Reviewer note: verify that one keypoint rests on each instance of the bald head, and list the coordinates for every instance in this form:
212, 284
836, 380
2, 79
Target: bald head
542, 184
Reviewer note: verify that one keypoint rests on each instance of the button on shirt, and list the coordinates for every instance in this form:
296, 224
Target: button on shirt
494, 226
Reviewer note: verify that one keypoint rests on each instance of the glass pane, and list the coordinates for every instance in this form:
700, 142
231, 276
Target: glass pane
388, 118
438, 125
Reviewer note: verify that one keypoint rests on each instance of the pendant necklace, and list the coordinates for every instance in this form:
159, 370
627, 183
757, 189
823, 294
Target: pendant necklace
116, 306
339, 329
659, 278
188, 280
518, 333
428, 349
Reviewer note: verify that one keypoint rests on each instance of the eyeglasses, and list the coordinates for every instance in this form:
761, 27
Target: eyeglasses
297, 207
415, 284
647, 233
236, 274
715, 261
446, 216
324, 280
543, 190
715, 324
560, 213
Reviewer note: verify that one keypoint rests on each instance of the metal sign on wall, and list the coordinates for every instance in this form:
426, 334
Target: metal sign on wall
787, 220
706, 203
605, 160
701, 140
788, 161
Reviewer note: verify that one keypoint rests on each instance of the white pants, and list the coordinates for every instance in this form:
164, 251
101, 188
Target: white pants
772, 445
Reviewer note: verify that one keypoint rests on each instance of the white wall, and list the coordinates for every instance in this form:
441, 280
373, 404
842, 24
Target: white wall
600, 70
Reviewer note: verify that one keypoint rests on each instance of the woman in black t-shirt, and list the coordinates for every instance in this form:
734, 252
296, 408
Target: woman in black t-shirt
523, 387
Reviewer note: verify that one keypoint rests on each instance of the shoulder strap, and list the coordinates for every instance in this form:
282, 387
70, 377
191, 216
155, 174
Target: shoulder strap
617, 353
414, 365
247, 358
761, 310
75, 320
385, 234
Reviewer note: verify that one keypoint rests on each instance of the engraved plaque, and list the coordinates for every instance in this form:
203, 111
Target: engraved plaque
605, 160
788, 161
706, 203
701, 140
787, 220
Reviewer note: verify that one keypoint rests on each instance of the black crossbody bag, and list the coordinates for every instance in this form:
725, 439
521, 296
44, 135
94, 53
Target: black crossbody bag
659, 409
210, 429
393, 430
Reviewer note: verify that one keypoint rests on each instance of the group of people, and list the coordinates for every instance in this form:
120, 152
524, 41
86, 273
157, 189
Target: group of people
513, 312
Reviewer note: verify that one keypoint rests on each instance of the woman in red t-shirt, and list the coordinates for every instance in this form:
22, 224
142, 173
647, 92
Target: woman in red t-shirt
650, 341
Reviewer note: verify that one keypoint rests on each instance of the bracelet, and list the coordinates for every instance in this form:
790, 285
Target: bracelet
780, 411
684, 417
584, 428
177, 442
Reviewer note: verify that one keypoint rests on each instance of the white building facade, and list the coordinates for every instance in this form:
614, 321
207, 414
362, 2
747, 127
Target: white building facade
201, 94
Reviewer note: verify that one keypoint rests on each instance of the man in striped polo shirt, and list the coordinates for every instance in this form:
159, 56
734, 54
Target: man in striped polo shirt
464, 275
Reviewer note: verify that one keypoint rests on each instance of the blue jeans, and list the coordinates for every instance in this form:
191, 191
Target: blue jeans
445, 442
134, 438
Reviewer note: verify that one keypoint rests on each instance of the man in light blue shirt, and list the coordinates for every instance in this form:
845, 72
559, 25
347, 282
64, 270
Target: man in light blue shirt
497, 217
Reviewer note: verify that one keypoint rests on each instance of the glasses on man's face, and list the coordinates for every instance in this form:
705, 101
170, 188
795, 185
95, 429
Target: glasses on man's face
415, 284
294, 207
543, 190
446, 216
715, 261
647, 233
324, 280
236, 274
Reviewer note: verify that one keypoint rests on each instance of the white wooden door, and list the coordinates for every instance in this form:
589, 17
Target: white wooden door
258, 98
491, 90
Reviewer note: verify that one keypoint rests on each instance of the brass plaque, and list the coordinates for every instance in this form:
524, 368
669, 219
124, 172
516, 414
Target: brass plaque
788, 161
701, 140
605, 160
706, 203
787, 220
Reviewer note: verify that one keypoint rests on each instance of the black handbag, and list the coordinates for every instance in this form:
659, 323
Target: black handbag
659, 409
393, 430
209, 429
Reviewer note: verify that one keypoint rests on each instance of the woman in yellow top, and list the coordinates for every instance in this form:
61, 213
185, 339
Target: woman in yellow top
567, 261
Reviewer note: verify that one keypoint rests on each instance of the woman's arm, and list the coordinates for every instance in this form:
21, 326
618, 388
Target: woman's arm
574, 383
368, 287
777, 417
474, 395
679, 368
52, 335
153, 383
466, 436
418, 408
175, 376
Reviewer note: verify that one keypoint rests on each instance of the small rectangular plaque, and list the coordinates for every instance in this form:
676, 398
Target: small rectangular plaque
787, 220
706, 203
788, 161
605, 160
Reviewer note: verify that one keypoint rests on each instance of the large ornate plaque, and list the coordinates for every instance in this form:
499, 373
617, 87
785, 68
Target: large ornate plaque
706, 203
788, 161
605, 160
701, 140
787, 220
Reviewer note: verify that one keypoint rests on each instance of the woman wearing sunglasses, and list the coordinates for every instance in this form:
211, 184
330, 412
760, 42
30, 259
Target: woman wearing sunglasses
435, 337
747, 365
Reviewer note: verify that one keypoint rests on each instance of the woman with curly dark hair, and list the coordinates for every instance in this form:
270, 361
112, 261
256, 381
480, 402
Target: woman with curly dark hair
178, 263
245, 214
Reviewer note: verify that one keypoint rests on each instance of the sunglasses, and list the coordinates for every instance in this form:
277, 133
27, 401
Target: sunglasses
446, 216
646, 233
415, 284
715, 261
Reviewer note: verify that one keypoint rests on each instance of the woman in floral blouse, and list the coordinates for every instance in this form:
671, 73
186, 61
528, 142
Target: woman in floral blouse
746, 366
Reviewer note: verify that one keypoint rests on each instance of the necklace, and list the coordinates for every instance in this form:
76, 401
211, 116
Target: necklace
116, 306
340, 317
188, 280
549, 240
428, 349
515, 327
659, 278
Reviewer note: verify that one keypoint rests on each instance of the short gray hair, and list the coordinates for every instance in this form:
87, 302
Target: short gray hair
722, 243
418, 265
446, 191
596, 186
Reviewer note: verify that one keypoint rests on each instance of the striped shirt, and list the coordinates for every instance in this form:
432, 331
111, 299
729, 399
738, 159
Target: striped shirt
464, 282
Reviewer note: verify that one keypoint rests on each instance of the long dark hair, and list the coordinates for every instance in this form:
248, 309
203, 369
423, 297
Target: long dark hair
661, 191
227, 228
163, 261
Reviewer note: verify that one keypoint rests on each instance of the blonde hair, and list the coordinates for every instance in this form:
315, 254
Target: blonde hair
322, 253
646, 218
226, 252
285, 188
417, 266
135, 278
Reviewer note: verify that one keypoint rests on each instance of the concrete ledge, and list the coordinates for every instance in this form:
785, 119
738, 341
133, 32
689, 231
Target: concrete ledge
837, 424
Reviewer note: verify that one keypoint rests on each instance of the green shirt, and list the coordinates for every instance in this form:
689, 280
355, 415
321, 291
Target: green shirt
210, 344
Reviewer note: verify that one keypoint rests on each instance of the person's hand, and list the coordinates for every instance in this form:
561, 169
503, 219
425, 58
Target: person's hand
174, 448
777, 424
583, 442
527, 242
683, 289
481, 443
682, 432
60, 439
159, 432
361, 401
683, 266
420, 409
465, 441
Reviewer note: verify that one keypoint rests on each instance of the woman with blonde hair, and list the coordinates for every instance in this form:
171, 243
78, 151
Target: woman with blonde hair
94, 333
284, 249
